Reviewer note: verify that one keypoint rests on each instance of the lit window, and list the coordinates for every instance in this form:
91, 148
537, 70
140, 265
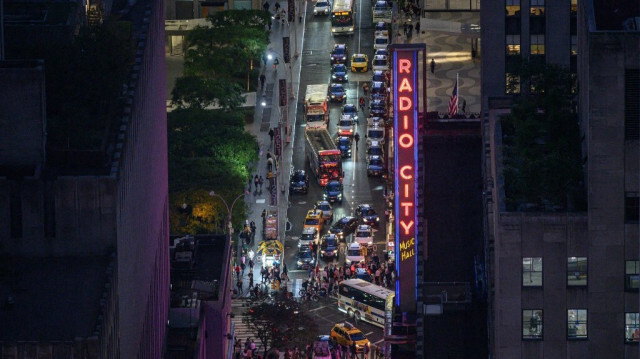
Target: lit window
574, 7
577, 271
512, 83
574, 44
577, 324
631, 276
532, 324
513, 44
631, 327
537, 44
513, 8
532, 272
537, 7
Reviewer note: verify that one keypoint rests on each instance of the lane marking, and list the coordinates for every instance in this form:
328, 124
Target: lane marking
381, 340
368, 334
313, 310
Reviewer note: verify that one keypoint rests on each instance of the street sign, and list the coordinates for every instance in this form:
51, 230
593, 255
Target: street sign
286, 53
277, 139
282, 91
292, 11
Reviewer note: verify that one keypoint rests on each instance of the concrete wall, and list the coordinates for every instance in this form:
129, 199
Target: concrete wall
22, 118
142, 211
83, 216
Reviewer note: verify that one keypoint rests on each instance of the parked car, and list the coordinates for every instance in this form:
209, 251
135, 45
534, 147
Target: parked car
344, 227
329, 246
333, 191
344, 145
379, 75
379, 63
380, 42
382, 52
367, 215
378, 91
378, 108
339, 73
380, 26
375, 166
375, 134
346, 126
298, 182
375, 121
337, 93
375, 149
339, 54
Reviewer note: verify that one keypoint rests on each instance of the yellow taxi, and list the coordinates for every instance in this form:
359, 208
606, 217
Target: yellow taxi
346, 334
359, 63
314, 219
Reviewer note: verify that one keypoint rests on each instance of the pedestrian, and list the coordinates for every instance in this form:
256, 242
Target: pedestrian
365, 88
251, 277
464, 105
271, 134
260, 182
263, 274
242, 266
410, 30
284, 268
433, 66
276, 62
357, 138
265, 6
237, 271
283, 16
264, 218
277, 6
404, 28
264, 57
251, 265
263, 78
418, 27
361, 101
239, 285
253, 227
256, 181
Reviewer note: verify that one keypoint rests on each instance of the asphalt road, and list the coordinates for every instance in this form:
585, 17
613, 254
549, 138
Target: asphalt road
358, 188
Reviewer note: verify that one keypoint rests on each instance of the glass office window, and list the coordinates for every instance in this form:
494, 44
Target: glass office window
513, 44
512, 8
577, 271
512, 83
631, 276
537, 44
574, 44
631, 327
574, 7
577, 324
536, 7
532, 272
532, 324
631, 207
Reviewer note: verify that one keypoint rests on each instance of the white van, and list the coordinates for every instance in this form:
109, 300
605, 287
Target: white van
354, 254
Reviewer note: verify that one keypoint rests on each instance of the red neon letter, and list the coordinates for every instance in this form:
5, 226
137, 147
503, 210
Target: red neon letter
406, 190
406, 206
404, 168
405, 122
404, 65
405, 103
405, 86
405, 140
406, 226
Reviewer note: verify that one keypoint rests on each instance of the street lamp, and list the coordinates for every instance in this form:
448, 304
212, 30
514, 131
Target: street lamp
229, 210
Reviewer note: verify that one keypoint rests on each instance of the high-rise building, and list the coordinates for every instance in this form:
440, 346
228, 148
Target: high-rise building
565, 284
84, 248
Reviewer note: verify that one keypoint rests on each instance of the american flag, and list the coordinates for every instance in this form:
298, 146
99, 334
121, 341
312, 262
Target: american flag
453, 101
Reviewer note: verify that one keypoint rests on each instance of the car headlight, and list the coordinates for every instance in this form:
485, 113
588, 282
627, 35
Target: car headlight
324, 195
377, 219
299, 263
370, 243
312, 261
333, 76
347, 260
339, 195
333, 96
351, 28
323, 252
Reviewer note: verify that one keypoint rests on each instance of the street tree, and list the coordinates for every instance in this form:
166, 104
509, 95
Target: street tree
221, 58
542, 152
209, 150
280, 323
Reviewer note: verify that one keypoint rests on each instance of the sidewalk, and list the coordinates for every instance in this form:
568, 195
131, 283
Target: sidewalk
449, 44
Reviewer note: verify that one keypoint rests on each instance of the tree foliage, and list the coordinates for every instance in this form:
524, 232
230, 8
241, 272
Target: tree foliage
542, 155
208, 151
219, 58
280, 323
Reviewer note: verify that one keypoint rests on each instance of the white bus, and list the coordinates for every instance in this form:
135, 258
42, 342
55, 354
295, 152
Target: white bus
364, 301
342, 17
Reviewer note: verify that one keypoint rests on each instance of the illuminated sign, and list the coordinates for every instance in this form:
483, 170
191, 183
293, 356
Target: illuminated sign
406, 171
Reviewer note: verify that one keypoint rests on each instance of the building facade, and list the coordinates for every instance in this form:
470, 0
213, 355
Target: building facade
106, 227
564, 285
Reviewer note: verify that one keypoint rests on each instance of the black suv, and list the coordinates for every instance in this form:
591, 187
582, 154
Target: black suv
329, 246
339, 54
299, 182
344, 227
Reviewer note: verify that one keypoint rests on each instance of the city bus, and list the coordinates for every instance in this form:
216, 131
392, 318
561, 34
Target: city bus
342, 17
364, 301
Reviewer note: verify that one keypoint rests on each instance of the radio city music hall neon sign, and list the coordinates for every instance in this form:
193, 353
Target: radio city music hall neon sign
405, 136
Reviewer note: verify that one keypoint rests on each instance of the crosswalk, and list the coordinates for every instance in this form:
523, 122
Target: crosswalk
242, 330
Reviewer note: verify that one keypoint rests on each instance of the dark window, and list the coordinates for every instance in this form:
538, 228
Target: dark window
632, 104
577, 324
532, 272
631, 207
15, 208
631, 328
49, 211
512, 25
537, 25
631, 276
577, 271
532, 324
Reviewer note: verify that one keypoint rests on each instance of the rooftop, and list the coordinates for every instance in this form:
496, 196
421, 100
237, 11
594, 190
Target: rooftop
55, 298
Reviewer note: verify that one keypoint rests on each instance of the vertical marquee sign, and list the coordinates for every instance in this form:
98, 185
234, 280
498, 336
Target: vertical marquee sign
405, 103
